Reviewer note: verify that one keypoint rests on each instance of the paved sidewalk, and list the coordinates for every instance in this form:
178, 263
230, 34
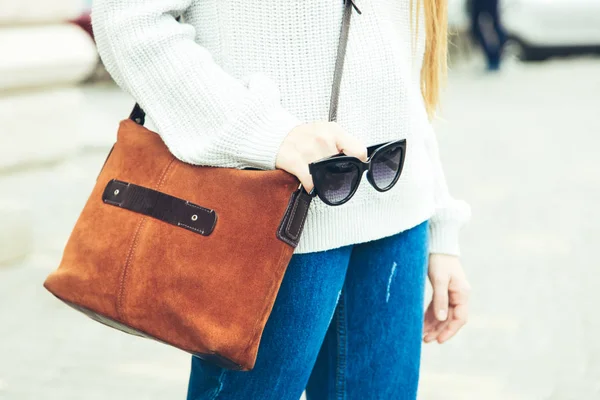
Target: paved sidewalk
521, 146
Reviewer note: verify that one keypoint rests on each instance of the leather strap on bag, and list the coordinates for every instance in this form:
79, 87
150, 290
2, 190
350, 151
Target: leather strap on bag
161, 206
139, 116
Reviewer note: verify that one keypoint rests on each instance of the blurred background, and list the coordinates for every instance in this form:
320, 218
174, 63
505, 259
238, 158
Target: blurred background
520, 138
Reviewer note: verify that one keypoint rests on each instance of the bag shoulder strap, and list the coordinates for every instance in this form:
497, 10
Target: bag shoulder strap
139, 116
341, 57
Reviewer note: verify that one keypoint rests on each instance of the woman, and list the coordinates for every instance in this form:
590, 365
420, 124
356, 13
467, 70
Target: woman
246, 83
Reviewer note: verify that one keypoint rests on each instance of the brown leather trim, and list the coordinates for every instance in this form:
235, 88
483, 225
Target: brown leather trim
293, 220
161, 206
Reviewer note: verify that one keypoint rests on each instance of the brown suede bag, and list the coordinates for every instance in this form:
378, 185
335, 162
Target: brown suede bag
186, 255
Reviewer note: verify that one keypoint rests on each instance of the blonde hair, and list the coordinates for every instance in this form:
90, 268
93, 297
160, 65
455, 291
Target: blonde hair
434, 68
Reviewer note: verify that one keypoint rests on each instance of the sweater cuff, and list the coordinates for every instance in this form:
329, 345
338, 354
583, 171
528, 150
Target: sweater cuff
444, 238
261, 138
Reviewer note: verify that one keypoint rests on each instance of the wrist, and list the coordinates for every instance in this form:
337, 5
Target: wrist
444, 238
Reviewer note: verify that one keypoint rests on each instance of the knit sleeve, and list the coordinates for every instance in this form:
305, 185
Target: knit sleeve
234, 122
450, 214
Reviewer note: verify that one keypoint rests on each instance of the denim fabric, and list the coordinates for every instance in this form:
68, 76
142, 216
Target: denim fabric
347, 324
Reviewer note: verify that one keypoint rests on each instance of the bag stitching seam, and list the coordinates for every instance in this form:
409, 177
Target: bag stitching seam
289, 222
297, 237
133, 246
199, 207
281, 231
191, 227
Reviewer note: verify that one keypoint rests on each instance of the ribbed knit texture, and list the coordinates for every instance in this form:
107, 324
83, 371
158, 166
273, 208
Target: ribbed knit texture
225, 87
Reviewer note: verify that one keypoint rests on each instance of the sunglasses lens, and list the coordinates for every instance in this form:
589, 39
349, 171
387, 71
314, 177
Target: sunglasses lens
385, 167
336, 181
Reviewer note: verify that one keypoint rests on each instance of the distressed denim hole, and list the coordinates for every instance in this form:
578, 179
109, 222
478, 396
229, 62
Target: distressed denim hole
392, 273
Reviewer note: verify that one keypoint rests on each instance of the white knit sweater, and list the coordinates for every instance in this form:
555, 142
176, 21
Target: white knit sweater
226, 87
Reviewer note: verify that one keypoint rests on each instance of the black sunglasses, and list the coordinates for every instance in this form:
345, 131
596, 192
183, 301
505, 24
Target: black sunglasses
336, 178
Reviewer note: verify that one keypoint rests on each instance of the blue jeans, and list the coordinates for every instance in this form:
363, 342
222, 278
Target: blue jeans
347, 324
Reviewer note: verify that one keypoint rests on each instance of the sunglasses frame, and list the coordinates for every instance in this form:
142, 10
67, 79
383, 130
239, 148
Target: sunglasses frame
362, 166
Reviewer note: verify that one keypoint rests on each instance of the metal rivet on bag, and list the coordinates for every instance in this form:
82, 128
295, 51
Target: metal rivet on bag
194, 217
116, 192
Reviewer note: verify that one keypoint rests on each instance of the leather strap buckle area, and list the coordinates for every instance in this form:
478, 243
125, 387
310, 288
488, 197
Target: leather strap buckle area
293, 220
161, 206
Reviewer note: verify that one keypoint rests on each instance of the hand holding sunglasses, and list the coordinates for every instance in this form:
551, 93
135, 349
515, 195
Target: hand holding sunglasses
336, 178
312, 141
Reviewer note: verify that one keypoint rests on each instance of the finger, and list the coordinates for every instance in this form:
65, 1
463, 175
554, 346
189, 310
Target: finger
430, 321
303, 174
433, 335
459, 293
325, 141
440, 297
459, 319
296, 165
350, 146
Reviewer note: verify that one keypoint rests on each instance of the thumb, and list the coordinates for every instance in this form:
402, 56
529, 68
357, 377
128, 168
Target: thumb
289, 161
305, 178
440, 298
